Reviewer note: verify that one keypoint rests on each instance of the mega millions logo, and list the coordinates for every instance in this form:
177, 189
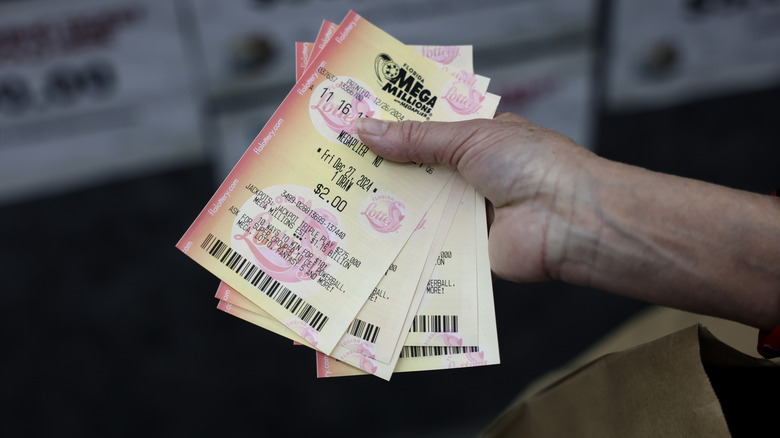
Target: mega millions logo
405, 84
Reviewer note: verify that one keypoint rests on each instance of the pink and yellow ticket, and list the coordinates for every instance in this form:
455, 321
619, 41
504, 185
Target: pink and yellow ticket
308, 221
425, 356
378, 327
454, 353
439, 336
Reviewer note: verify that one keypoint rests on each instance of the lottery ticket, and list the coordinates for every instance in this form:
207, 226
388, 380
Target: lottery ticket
429, 357
360, 357
447, 314
412, 358
457, 354
376, 329
437, 329
385, 370
379, 324
308, 221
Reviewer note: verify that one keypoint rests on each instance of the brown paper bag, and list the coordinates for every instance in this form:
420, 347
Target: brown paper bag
669, 387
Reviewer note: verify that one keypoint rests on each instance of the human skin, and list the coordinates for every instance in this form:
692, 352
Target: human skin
561, 212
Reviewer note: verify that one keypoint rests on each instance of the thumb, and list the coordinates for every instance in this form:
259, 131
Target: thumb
424, 142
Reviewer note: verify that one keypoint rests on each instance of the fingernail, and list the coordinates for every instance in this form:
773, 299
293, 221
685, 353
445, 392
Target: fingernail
372, 126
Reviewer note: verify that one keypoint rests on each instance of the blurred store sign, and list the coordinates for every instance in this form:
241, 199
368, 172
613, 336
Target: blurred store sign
250, 44
553, 90
666, 52
89, 91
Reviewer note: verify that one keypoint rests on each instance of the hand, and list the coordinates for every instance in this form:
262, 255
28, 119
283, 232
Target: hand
524, 170
561, 212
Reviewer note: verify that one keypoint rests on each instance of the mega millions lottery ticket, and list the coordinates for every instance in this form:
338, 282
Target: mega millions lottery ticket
308, 236
423, 357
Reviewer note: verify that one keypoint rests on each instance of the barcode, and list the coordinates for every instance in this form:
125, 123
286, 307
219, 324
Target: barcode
434, 350
363, 330
263, 282
435, 323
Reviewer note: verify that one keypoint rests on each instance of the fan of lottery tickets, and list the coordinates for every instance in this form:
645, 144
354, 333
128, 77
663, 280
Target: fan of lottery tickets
380, 267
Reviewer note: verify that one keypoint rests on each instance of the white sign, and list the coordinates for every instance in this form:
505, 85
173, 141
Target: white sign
90, 90
553, 90
251, 44
670, 51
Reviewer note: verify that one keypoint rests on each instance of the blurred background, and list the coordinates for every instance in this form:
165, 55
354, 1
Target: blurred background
118, 119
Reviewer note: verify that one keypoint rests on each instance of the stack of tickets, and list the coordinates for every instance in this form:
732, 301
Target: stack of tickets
380, 267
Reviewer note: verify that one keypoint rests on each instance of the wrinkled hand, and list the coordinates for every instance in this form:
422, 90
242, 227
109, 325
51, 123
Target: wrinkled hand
528, 173
561, 212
